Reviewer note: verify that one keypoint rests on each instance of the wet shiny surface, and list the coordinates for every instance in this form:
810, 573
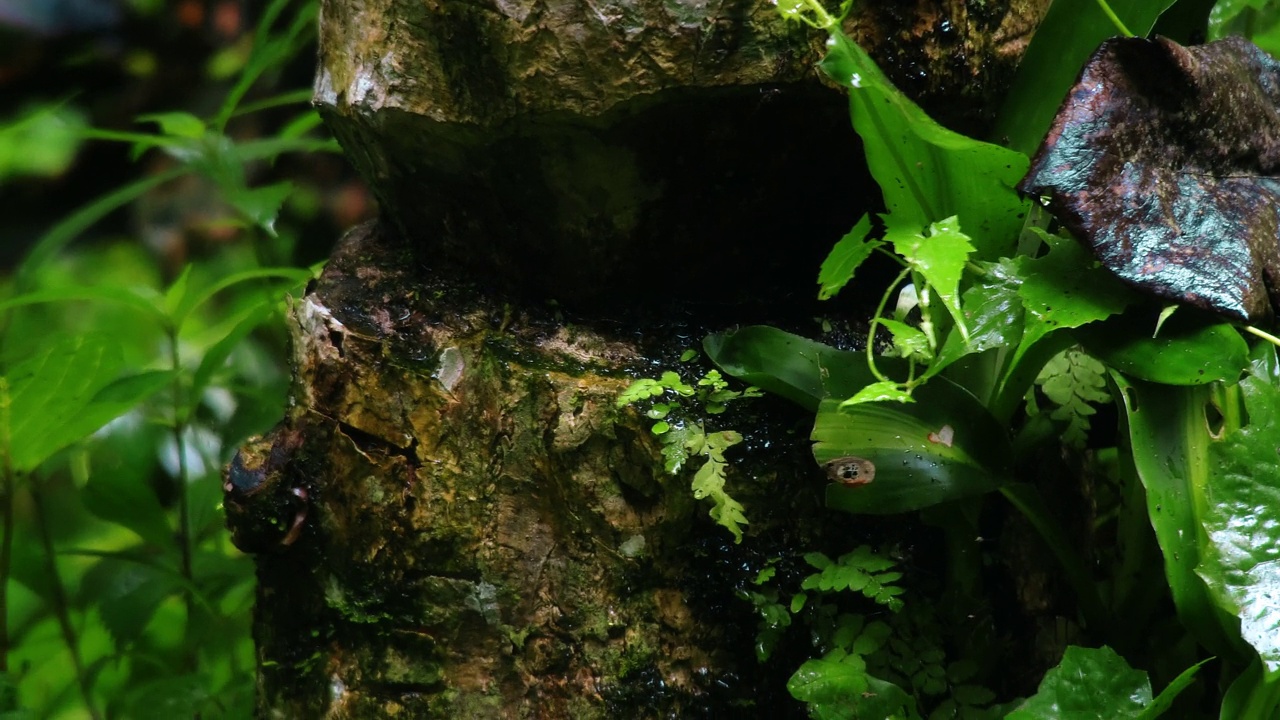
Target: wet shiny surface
1162, 159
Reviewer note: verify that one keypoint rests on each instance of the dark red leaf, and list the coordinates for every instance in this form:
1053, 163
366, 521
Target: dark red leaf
1164, 160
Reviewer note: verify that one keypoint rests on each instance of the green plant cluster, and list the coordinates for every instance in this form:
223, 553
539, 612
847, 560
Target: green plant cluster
671, 404
869, 664
122, 394
1004, 339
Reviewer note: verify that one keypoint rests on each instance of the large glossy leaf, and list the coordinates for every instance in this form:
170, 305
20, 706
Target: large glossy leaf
1093, 683
945, 446
1163, 161
1070, 32
1187, 351
1241, 562
1169, 439
926, 172
1065, 289
796, 368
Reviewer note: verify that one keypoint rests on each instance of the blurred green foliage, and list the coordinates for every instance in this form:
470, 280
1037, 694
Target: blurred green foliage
131, 367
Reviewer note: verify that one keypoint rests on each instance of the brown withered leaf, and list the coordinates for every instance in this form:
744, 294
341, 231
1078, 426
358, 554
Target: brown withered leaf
1164, 160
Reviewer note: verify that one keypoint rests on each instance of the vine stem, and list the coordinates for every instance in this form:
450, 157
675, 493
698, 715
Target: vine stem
875, 322
1262, 334
61, 608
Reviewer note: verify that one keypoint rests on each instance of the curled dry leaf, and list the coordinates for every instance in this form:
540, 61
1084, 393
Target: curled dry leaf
1164, 160
945, 435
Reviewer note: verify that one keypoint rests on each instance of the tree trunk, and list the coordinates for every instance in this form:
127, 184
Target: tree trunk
455, 520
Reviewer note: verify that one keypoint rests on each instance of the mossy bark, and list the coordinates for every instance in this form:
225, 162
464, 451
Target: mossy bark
484, 533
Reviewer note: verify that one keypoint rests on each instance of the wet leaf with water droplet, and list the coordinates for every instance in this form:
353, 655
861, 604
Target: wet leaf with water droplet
1241, 563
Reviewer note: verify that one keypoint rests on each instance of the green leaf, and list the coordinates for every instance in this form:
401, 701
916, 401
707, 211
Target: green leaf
191, 300
1088, 684
1170, 441
708, 483
180, 124
260, 205
216, 356
940, 258
1075, 382
908, 341
992, 312
1241, 515
84, 217
829, 680
861, 571
131, 298
48, 391
1189, 349
119, 498
1066, 288
1068, 35
884, 391
1165, 699
914, 466
926, 172
799, 369
127, 595
43, 142
845, 258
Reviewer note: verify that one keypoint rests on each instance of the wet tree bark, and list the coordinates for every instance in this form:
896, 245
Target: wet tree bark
455, 520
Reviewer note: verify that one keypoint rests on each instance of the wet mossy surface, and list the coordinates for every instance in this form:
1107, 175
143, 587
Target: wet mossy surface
502, 538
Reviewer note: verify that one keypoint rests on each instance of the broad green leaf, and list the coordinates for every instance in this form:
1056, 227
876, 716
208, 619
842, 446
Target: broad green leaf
1066, 288
1089, 684
50, 389
1241, 514
1169, 440
926, 172
915, 467
1187, 351
940, 258
829, 680
844, 259
799, 369
1068, 35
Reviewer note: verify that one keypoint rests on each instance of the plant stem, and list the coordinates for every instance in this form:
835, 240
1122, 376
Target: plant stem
1262, 334
7, 484
184, 512
875, 321
61, 609
1115, 20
